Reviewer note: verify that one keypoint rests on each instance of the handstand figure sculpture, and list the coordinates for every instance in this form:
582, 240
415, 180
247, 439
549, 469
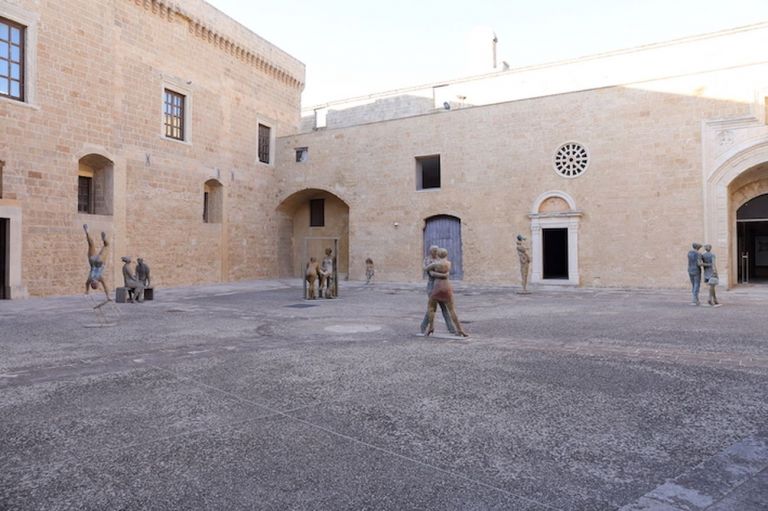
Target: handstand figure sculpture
97, 261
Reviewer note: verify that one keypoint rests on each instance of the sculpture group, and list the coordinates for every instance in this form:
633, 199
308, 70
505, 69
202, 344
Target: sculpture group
698, 263
135, 282
324, 274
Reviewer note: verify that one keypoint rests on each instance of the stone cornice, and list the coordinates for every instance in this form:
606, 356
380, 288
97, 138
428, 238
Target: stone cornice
172, 11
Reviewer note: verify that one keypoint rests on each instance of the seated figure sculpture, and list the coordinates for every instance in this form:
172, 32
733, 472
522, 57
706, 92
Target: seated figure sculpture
132, 283
142, 273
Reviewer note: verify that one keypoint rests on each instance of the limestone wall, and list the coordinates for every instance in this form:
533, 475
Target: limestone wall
98, 79
640, 198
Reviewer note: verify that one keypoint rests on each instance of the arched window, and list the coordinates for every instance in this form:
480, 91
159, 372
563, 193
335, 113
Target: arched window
95, 185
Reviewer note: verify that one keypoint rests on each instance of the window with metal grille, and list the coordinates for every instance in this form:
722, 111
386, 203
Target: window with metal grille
84, 194
317, 213
173, 108
11, 59
264, 141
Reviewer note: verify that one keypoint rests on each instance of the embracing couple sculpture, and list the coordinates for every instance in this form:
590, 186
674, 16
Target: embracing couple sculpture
698, 262
440, 292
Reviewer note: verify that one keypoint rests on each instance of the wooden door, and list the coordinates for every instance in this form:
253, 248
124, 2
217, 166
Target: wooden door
445, 231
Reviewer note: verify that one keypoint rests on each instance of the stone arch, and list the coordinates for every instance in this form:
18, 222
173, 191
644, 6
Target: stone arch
95, 184
293, 227
213, 202
552, 196
554, 215
738, 175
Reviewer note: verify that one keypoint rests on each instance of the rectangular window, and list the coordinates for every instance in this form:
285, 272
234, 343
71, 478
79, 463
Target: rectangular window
2, 165
317, 213
302, 154
11, 59
427, 172
84, 194
173, 109
205, 207
264, 141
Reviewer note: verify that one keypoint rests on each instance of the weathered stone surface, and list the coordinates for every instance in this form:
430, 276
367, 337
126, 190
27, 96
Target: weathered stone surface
229, 396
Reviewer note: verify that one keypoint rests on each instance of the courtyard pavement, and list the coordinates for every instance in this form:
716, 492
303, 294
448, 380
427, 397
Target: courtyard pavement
245, 396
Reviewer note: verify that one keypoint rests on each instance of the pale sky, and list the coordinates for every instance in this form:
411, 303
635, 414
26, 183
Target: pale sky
356, 47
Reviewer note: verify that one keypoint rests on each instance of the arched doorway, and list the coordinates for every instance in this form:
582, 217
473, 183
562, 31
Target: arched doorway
213, 202
311, 218
736, 176
752, 240
445, 231
95, 185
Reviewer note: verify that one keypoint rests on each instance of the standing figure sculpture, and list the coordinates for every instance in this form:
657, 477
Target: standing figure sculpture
97, 261
142, 273
525, 261
694, 272
710, 273
442, 293
327, 275
311, 275
368, 270
132, 283
428, 261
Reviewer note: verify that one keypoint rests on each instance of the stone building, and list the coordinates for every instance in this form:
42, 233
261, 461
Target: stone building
179, 133
153, 121
611, 165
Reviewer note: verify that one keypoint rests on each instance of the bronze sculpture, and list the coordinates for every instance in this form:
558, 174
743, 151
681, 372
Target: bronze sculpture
525, 261
442, 293
710, 274
132, 283
311, 275
97, 262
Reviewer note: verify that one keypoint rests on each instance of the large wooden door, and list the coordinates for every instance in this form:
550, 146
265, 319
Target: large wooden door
445, 231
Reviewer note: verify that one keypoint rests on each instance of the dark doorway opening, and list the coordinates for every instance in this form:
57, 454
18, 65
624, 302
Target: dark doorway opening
5, 238
752, 240
555, 253
753, 251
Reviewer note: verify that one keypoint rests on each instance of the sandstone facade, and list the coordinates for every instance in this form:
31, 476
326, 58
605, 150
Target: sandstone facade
674, 142
96, 76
